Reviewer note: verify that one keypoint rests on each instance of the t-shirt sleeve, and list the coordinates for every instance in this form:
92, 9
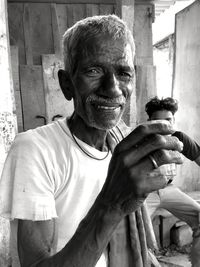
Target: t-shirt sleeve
191, 149
27, 184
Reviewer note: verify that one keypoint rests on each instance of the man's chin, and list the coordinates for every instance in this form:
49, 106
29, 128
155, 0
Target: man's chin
106, 125
104, 120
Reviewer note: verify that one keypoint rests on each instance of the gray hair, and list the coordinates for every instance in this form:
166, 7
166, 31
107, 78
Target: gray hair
92, 27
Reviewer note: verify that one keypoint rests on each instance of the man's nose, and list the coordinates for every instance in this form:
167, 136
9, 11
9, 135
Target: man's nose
111, 85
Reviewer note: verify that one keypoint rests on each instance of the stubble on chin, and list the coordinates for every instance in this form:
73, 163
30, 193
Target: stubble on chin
106, 123
101, 120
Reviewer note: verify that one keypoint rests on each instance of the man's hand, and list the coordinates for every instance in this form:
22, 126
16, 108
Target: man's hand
130, 175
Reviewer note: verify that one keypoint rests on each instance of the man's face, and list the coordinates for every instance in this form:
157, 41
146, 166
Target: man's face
163, 115
103, 81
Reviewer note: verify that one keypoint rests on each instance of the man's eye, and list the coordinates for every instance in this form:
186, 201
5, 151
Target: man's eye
93, 72
125, 75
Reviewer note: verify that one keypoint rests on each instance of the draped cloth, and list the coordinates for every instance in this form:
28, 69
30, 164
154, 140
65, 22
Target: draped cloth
131, 240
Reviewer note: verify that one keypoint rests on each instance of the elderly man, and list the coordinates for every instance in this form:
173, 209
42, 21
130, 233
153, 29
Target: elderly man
171, 197
74, 196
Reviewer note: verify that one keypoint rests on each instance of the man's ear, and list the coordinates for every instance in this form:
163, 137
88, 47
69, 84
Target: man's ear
65, 84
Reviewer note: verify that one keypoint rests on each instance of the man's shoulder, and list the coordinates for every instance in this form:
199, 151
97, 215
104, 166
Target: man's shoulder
31, 134
40, 136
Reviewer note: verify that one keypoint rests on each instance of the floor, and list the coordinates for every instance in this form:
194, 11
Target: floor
172, 258
179, 260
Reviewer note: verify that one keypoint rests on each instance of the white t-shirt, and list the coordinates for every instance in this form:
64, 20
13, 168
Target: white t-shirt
46, 175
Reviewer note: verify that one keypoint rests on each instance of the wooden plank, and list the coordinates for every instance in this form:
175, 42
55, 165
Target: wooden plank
106, 9
164, 2
92, 10
145, 89
75, 13
79, 12
66, 1
31, 80
130, 113
27, 35
15, 66
56, 104
55, 30
142, 32
17, 92
125, 9
18, 103
6, 90
70, 15
42, 35
15, 24
62, 18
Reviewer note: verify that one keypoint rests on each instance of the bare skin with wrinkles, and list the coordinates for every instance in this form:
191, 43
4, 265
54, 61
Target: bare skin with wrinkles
101, 85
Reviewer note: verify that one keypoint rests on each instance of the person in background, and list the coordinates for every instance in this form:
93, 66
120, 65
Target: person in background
172, 198
74, 189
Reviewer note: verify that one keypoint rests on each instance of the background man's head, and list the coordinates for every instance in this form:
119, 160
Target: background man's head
162, 109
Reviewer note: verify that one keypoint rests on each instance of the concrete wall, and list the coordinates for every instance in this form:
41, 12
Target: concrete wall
139, 18
145, 70
7, 120
165, 23
187, 87
163, 60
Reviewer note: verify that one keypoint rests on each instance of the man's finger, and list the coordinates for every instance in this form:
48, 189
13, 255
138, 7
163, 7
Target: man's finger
148, 179
147, 174
149, 145
162, 127
167, 156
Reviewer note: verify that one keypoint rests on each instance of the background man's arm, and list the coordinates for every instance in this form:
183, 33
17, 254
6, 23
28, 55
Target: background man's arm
197, 160
191, 148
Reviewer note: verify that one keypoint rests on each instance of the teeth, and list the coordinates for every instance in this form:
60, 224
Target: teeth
106, 107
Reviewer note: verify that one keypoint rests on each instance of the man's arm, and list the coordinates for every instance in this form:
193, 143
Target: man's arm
36, 240
129, 180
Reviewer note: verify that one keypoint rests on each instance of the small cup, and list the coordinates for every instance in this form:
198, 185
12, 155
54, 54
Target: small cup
167, 170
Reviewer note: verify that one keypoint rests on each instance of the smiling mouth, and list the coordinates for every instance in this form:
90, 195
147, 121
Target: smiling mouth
108, 108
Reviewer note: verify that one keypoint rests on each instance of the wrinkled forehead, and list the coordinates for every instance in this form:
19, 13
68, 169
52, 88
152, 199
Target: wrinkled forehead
98, 42
106, 48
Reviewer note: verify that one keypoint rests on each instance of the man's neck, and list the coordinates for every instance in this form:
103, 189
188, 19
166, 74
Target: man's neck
90, 135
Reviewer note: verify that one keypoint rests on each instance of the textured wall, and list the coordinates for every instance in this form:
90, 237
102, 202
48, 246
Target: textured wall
7, 134
187, 87
7, 120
